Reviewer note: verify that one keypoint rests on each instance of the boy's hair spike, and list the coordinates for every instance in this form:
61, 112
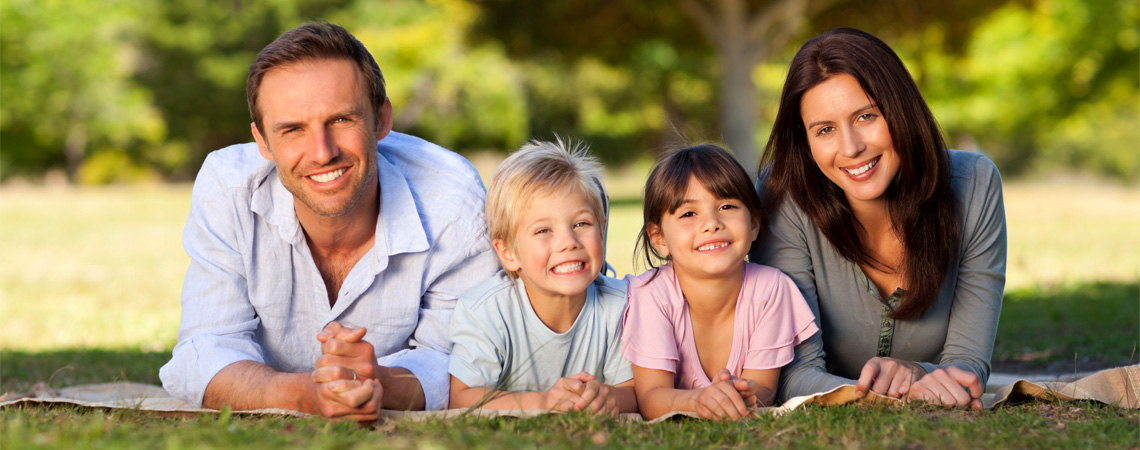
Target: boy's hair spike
542, 168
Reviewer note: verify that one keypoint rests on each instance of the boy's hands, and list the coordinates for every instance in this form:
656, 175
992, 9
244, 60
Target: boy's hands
727, 398
581, 392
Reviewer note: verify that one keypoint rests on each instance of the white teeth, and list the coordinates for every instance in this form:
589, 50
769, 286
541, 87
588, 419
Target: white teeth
712, 246
569, 267
328, 176
864, 169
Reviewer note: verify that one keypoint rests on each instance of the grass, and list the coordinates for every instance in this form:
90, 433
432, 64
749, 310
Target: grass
90, 280
1038, 424
1086, 327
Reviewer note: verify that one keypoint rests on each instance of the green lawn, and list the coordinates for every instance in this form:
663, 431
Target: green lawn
90, 280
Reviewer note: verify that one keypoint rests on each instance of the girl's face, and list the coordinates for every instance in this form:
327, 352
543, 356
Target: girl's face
706, 237
849, 139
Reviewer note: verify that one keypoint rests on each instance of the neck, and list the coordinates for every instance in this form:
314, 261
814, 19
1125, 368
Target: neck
874, 217
712, 297
557, 313
347, 232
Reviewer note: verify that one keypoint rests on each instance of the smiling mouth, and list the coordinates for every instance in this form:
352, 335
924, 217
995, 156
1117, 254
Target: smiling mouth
327, 176
863, 168
569, 267
712, 246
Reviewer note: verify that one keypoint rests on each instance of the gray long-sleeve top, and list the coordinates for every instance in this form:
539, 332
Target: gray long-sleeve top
958, 330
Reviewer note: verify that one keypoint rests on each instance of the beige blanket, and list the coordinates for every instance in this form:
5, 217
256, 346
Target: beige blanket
1119, 387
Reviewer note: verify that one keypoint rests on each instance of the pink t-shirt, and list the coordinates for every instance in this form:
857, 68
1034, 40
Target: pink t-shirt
771, 318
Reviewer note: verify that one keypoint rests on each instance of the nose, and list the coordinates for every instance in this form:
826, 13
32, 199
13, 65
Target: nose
712, 223
325, 149
568, 240
852, 142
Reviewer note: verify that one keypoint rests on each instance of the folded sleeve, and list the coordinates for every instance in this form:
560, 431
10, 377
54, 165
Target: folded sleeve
218, 321
467, 260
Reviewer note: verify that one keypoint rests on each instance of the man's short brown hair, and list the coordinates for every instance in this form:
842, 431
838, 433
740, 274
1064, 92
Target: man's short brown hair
310, 42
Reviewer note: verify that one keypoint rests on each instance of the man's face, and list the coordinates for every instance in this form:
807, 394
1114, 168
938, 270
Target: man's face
321, 132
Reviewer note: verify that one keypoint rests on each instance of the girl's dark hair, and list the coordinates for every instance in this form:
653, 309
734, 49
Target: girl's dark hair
922, 205
665, 190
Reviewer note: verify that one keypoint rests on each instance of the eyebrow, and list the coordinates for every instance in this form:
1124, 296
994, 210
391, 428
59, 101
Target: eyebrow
856, 113
350, 112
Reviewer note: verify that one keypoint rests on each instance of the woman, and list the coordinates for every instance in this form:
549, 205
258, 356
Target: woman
897, 243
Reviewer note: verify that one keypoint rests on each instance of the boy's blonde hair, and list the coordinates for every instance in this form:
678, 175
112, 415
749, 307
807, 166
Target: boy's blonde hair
536, 169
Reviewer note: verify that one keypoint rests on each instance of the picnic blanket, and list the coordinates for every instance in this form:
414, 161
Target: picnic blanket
1119, 387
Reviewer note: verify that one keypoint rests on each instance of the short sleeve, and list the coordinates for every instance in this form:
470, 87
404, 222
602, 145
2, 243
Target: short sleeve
476, 348
617, 368
648, 332
779, 317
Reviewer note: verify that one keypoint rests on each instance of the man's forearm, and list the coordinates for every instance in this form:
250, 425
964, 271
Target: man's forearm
249, 385
402, 390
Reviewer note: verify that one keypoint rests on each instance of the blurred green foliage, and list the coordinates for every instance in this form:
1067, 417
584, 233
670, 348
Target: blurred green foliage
120, 91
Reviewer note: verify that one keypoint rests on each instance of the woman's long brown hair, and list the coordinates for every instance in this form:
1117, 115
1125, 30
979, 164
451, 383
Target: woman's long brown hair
923, 208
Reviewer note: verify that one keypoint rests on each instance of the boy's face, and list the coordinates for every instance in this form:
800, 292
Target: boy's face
557, 248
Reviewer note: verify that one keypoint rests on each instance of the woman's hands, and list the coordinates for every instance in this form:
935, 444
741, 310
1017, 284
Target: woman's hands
950, 387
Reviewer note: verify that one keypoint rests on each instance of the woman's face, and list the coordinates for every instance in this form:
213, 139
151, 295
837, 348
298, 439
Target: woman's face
849, 139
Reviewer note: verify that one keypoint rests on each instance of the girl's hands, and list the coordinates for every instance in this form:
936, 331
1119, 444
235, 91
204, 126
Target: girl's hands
727, 397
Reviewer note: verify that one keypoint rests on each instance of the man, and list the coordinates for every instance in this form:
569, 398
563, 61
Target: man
318, 225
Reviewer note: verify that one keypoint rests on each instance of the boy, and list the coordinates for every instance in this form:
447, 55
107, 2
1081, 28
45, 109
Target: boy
543, 333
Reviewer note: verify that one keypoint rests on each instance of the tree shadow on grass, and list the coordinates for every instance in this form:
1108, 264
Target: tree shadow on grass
19, 370
1063, 329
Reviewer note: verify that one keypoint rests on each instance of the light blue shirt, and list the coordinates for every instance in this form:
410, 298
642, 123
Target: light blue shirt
499, 342
253, 292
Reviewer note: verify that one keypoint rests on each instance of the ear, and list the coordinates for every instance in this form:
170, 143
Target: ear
384, 120
506, 256
656, 239
262, 145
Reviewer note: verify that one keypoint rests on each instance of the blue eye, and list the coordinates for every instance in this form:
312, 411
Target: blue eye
582, 224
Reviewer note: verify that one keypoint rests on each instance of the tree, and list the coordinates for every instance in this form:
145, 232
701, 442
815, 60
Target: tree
67, 86
742, 34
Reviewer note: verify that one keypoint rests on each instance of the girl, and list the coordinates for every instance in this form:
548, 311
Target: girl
707, 332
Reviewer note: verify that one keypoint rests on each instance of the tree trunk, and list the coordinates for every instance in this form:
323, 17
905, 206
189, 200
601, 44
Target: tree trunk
738, 108
743, 39
74, 148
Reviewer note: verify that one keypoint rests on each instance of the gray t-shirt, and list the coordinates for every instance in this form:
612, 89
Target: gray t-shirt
958, 330
498, 342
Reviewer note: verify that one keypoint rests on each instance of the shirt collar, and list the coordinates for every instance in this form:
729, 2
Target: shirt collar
399, 228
